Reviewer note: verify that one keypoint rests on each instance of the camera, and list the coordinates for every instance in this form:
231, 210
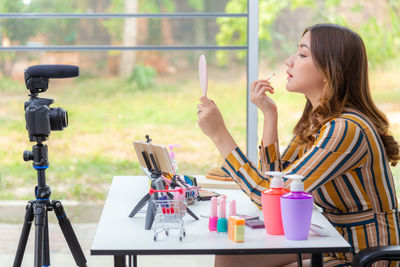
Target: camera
40, 118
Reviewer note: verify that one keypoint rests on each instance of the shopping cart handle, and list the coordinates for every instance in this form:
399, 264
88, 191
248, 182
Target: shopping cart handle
152, 191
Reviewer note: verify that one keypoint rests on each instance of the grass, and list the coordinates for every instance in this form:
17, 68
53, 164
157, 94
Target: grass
107, 115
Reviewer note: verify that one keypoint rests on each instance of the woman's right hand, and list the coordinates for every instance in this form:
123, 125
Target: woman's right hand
259, 97
210, 118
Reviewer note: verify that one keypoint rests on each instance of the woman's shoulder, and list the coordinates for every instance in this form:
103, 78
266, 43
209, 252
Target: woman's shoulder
358, 118
343, 123
351, 117
340, 135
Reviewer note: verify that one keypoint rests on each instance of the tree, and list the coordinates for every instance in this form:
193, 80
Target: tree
161, 29
19, 31
128, 57
233, 31
381, 36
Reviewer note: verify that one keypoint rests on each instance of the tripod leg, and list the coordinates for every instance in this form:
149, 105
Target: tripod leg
140, 205
39, 211
24, 234
151, 212
46, 249
69, 234
191, 213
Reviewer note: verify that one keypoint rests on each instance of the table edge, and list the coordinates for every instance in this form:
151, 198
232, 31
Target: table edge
220, 251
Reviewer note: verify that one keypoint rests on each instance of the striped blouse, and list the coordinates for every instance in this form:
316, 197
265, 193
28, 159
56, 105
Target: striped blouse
348, 174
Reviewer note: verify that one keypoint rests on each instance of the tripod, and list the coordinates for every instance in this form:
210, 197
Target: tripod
38, 209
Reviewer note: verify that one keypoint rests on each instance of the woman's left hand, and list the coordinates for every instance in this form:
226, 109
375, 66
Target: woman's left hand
210, 118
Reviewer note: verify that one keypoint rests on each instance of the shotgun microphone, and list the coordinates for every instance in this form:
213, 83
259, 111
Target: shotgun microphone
53, 71
37, 77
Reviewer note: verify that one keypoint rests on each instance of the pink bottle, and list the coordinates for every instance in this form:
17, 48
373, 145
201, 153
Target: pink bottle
297, 209
213, 220
232, 208
271, 204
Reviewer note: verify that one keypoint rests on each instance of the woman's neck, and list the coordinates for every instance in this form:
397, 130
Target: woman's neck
314, 96
315, 102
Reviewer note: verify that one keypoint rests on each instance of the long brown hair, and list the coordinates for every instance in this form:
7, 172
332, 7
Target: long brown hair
340, 54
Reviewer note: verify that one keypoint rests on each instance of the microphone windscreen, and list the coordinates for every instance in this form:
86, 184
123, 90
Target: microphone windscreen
53, 71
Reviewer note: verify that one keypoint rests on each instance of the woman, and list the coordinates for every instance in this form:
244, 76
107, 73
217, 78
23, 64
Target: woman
341, 144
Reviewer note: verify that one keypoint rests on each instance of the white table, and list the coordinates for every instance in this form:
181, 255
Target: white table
118, 235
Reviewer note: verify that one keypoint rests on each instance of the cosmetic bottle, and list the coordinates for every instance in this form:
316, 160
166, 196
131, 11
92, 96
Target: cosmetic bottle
236, 231
271, 204
297, 207
232, 208
222, 224
172, 157
213, 220
232, 214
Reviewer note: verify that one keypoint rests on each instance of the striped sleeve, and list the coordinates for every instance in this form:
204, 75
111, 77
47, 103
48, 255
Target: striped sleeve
340, 147
248, 177
291, 152
269, 159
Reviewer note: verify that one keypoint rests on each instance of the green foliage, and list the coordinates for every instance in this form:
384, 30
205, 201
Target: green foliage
115, 26
381, 38
196, 4
143, 76
17, 30
233, 31
20, 30
357, 8
332, 3
7, 84
382, 42
157, 6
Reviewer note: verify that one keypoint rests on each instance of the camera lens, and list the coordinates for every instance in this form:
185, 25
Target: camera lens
58, 119
28, 155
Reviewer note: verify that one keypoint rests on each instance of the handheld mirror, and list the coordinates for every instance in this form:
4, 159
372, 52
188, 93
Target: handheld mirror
203, 74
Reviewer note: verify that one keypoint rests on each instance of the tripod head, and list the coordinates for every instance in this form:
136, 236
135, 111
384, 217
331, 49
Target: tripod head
39, 156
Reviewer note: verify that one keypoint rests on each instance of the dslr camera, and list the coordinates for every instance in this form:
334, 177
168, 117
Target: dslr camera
40, 118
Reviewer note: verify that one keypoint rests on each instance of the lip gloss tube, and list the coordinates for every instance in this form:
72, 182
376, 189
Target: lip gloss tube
232, 208
213, 220
270, 76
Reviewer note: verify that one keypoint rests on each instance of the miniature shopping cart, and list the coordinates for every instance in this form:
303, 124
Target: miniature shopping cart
191, 194
186, 182
169, 212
